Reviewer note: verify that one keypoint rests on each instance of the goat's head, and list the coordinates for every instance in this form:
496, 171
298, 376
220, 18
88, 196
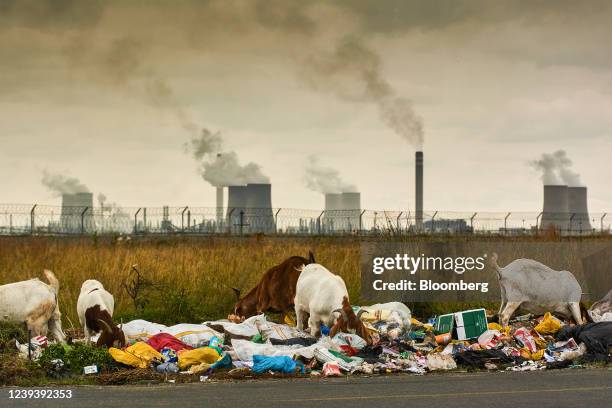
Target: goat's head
349, 322
111, 335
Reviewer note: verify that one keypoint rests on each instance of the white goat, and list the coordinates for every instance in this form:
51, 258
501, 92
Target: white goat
95, 310
319, 293
535, 287
34, 302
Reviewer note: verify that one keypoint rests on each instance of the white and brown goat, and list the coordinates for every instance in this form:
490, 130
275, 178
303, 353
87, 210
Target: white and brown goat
95, 309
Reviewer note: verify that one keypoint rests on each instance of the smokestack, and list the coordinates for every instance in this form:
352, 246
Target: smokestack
351, 209
73, 206
219, 207
418, 199
577, 207
556, 208
259, 207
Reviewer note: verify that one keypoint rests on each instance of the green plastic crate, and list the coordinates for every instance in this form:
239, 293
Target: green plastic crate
445, 323
470, 323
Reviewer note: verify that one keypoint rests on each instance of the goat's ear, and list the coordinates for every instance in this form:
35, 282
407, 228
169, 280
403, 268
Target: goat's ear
311, 258
237, 293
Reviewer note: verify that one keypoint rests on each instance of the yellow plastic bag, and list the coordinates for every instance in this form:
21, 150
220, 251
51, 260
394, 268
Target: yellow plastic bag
187, 358
289, 320
138, 355
548, 325
538, 355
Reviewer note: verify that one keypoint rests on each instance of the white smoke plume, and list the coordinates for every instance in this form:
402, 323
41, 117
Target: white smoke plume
556, 169
60, 184
325, 179
222, 168
353, 72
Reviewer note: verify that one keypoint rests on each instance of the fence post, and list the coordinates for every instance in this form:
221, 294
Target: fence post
601, 221
319, 222
361, 221
183, 219
83, 220
241, 221
472, 221
276, 220
506, 223
136, 220
433, 218
538, 222
32, 215
229, 221
570, 223
397, 221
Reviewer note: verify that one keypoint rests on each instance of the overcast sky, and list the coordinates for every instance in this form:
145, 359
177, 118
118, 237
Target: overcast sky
110, 92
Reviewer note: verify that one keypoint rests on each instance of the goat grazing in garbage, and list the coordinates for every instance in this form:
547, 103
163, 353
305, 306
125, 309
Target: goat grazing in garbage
321, 294
34, 302
275, 291
535, 287
349, 322
95, 309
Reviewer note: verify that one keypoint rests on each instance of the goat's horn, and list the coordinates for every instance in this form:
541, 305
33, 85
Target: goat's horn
341, 313
360, 312
108, 328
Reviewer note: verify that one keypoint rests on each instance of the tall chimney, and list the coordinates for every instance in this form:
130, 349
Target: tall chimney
418, 199
219, 207
578, 210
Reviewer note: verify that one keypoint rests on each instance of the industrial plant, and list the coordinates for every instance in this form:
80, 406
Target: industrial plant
565, 209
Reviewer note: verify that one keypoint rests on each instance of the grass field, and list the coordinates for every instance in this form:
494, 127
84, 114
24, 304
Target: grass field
183, 279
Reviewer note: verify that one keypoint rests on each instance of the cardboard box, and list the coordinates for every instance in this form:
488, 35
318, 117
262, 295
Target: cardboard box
470, 323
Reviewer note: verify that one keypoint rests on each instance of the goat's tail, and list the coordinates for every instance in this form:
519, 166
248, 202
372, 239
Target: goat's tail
53, 282
494, 264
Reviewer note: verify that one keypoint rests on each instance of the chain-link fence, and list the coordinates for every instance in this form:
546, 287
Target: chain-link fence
18, 219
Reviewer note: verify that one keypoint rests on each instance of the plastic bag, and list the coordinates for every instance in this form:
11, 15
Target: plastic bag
187, 358
283, 364
352, 340
195, 335
139, 355
437, 361
549, 325
331, 369
141, 330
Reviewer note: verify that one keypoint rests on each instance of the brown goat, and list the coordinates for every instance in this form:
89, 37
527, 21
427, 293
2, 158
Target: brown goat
349, 322
100, 321
275, 291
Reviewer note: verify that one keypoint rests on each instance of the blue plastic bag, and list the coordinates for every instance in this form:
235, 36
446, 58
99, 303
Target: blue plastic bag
283, 364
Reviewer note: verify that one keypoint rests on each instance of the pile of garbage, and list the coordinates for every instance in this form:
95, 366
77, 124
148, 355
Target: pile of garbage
402, 344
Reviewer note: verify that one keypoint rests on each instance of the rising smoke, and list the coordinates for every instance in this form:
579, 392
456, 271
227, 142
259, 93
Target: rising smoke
353, 72
221, 168
60, 184
556, 169
324, 179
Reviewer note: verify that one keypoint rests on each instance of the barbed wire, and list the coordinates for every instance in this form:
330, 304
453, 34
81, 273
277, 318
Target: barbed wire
18, 219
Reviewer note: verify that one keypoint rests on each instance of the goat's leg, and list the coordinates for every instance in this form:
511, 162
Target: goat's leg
574, 307
506, 314
299, 318
313, 324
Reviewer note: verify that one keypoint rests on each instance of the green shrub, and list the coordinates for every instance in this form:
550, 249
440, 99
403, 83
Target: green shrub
9, 332
77, 356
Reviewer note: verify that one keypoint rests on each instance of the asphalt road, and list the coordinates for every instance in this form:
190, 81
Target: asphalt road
561, 388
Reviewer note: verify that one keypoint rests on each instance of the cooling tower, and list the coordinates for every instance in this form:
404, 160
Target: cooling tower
77, 208
219, 207
259, 208
333, 205
351, 209
556, 208
418, 193
236, 202
577, 207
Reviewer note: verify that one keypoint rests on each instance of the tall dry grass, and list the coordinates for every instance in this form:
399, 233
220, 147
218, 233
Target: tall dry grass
192, 276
